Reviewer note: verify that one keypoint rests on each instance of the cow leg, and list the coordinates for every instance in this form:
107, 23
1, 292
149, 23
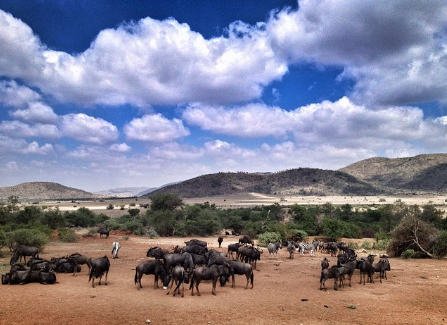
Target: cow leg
214, 286
107, 273
233, 284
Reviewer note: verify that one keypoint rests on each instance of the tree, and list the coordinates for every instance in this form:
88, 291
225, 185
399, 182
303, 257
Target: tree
412, 233
165, 201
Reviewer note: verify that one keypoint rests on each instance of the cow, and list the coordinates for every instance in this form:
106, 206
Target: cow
184, 259
78, 259
213, 273
180, 277
220, 240
196, 242
154, 267
103, 232
24, 251
100, 266
246, 240
233, 248
157, 252
241, 268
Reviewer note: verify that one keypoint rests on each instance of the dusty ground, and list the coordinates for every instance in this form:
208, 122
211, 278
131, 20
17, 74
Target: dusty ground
285, 292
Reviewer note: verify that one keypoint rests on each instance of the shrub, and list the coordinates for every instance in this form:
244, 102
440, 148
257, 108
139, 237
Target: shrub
110, 207
409, 253
67, 235
91, 233
382, 244
353, 245
440, 246
151, 233
28, 237
367, 245
268, 237
298, 234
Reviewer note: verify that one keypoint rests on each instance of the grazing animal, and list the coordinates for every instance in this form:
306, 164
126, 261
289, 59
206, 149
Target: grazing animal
157, 252
346, 269
218, 260
103, 232
214, 272
115, 249
156, 268
194, 249
303, 247
100, 266
196, 242
329, 273
184, 259
24, 251
180, 277
274, 248
79, 259
324, 263
381, 267
233, 248
366, 270
241, 268
291, 249
246, 240
220, 240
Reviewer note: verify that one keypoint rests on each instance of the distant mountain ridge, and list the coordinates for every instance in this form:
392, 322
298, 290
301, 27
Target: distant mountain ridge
301, 181
43, 191
422, 174
126, 191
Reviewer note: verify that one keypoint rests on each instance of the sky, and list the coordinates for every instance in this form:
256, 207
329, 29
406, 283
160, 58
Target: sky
106, 94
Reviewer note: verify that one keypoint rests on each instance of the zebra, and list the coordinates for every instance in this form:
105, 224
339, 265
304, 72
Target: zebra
308, 247
273, 248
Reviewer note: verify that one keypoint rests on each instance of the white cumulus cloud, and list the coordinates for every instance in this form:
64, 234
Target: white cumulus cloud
89, 129
155, 128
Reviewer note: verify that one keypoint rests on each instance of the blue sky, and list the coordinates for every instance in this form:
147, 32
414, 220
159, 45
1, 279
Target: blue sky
105, 94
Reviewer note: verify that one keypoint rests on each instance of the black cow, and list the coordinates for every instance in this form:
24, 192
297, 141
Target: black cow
180, 277
78, 259
184, 259
103, 232
100, 266
213, 273
157, 252
196, 242
329, 273
220, 240
246, 240
194, 249
152, 267
241, 268
233, 248
24, 251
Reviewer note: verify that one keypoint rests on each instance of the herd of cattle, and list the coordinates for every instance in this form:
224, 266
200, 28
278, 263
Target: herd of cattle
195, 263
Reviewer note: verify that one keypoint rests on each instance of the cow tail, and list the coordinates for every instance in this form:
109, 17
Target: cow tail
252, 276
92, 270
192, 281
136, 275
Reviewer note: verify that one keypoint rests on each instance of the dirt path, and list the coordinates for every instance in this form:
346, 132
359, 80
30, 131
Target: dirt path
285, 292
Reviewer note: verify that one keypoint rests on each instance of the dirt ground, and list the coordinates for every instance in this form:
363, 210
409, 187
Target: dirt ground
285, 292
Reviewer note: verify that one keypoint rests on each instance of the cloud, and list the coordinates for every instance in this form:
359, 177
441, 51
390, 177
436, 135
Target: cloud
36, 112
120, 147
88, 129
341, 123
15, 95
17, 129
10, 145
395, 51
155, 128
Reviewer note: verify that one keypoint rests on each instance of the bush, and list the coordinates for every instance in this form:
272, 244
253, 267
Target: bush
409, 253
91, 233
28, 237
440, 246
382, 244
151, 233
67, 235
268, 237
110, 207
353, 245
367, 245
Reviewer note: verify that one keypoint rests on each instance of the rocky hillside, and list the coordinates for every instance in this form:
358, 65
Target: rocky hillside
43, 191
419, 174
301, 181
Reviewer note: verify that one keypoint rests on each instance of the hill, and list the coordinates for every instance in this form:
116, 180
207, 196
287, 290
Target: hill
420, 174
43, 191
301, 181
126, 191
